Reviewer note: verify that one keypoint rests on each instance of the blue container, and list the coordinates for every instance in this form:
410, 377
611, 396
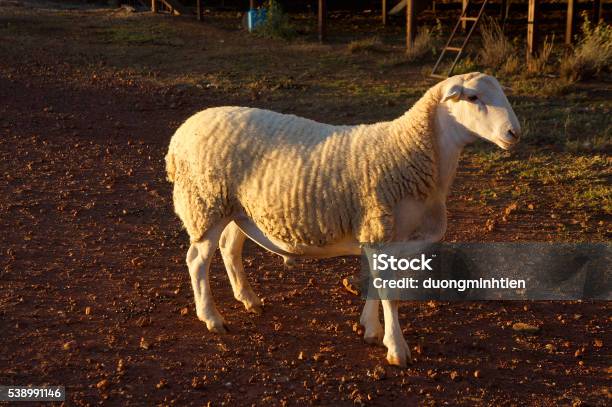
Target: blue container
255, 18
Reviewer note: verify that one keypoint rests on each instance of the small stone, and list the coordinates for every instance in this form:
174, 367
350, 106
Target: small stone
348, 286
578, 353
598, 343
550, 347
87, 310
477, 374
378, 373
432, 374
301, 356
525, 328
137, 262
69, 345
143, 321
162, 383
184, 311
454, 375
144, 344
102, 384
197, 383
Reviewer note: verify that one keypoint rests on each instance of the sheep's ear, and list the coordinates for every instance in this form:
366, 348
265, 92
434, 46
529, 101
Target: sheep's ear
454, 92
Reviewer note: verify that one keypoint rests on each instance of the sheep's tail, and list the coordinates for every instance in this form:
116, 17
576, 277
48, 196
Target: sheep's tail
170, 166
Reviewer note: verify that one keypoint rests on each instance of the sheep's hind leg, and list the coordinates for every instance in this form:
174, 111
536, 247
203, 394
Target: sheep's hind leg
231, 244
370, 321
199, 257
398, 352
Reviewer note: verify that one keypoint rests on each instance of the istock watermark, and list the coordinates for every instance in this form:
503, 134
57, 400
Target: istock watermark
487, 271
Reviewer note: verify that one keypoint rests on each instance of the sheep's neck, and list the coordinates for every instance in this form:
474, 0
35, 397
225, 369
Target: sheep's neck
412, 139
451, 138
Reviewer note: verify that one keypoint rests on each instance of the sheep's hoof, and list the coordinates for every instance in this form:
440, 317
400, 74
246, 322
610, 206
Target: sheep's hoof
256, 309
400, 357
289, 262
373, 339
397, 360
217, 327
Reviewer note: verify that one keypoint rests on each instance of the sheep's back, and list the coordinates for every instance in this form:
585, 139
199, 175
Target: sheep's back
287, 173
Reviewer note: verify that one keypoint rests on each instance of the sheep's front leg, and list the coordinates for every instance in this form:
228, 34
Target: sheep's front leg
398, 352
370, 321
199, 257
231, 244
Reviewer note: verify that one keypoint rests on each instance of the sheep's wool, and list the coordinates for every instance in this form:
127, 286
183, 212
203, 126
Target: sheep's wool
300, 181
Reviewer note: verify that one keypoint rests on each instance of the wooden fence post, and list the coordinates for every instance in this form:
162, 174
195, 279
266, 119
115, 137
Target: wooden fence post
322, 20
154, 6
532, 28
410, 24
570, 22
597, 11
200, 10
384, 12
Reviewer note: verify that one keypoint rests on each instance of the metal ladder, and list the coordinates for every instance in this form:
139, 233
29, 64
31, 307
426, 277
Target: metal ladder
458, 50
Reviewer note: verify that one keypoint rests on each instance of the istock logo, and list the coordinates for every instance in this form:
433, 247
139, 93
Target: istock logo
382, 262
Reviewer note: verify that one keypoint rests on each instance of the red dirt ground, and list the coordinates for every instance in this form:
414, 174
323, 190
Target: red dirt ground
93, 286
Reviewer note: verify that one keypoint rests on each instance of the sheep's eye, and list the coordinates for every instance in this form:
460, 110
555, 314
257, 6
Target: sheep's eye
472, 98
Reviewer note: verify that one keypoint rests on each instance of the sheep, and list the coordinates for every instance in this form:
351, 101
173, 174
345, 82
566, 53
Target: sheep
300, 188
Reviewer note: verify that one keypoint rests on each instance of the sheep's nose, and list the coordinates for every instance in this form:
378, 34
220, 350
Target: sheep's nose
514, 135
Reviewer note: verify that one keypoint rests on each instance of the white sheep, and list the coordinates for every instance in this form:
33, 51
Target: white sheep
300, 188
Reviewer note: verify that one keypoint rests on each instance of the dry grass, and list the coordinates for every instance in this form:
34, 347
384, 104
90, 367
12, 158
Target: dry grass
365, 45
592, 55
497, 51
511, 66
424, 43
538, 63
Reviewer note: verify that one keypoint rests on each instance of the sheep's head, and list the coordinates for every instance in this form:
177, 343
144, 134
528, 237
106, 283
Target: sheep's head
478, 103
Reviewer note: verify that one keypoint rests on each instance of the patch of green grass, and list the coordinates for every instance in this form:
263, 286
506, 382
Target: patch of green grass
594, 197
601, 142
488, 196
31, 27
570, 181
574, 122
372, 44
370, 89
540, 87
140, 34
465, 65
